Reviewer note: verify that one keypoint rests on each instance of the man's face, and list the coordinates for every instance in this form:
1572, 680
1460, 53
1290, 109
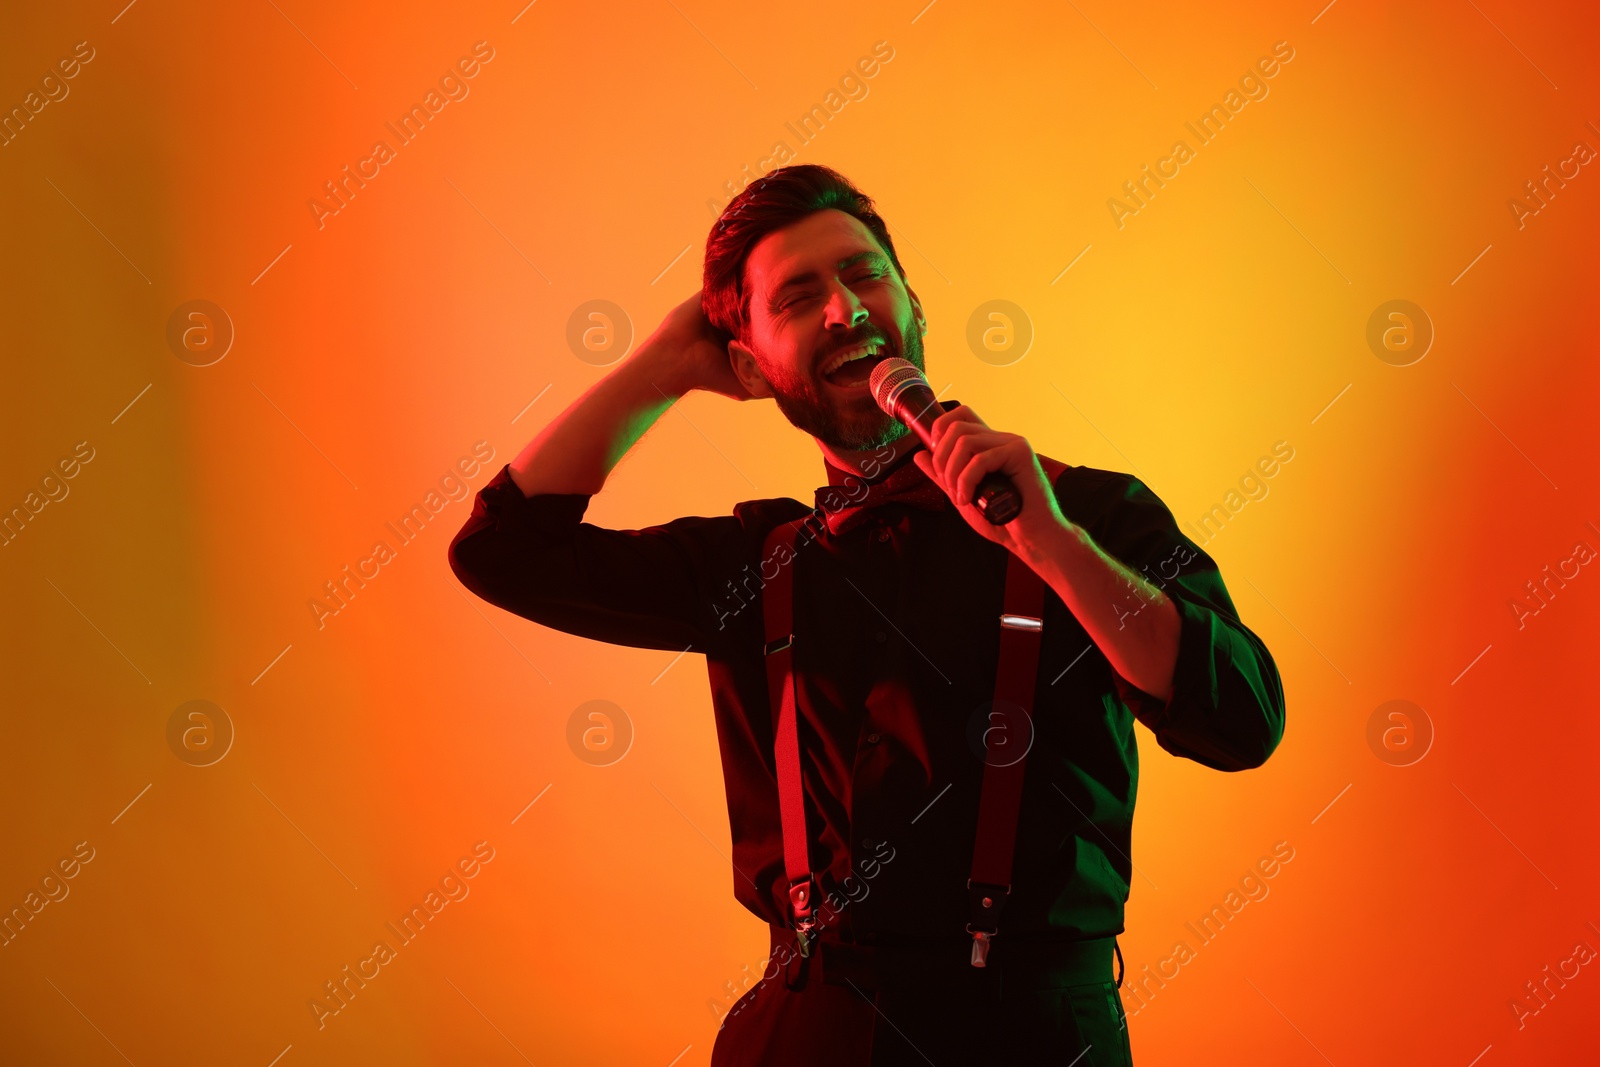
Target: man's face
819, 289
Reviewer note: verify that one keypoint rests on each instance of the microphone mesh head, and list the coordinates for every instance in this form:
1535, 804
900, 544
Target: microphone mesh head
887, 378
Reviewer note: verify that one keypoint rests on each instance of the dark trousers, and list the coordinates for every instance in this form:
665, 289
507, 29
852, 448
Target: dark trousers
926, 1004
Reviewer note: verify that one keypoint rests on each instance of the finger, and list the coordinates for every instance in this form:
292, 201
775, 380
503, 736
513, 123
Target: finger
966, 414
965, 481
967, 445
954, 416
944, 447
944, 438
980, 465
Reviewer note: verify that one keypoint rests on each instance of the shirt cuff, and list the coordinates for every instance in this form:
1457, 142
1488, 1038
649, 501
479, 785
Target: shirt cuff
508, 510
1192, 678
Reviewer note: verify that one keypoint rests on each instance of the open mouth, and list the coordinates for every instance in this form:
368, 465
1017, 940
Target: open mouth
853, 366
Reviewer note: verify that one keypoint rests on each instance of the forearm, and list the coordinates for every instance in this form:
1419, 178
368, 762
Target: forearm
577, 450
1134, 624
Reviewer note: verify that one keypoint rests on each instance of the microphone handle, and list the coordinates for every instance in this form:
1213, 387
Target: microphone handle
997, 498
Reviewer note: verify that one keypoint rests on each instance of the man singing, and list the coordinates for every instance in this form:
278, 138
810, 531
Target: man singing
925, 717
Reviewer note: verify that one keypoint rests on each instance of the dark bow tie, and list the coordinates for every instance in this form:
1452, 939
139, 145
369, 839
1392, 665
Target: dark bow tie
845, 502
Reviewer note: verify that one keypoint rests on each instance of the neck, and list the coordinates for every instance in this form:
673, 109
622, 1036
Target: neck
871, 460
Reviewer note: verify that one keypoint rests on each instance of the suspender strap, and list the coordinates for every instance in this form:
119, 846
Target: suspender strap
1021, 630
1000, 804
1009, 734
777, 609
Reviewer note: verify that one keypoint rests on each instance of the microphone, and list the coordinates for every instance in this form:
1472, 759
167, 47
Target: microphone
903, 393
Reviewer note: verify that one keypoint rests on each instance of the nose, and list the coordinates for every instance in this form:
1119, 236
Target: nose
843, 310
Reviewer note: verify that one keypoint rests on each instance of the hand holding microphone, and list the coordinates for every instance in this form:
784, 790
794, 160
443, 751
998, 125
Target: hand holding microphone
902, 391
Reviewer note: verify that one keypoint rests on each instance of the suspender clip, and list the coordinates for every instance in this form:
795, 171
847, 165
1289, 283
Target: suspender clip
805, 920
980, 948
987, 902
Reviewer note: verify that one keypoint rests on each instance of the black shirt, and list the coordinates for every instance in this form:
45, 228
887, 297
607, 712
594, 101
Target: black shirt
896, 646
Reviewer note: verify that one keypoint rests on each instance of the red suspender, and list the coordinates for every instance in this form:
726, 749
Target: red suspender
777, 608
1021, 630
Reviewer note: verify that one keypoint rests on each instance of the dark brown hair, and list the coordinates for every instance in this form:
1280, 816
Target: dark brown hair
771, 202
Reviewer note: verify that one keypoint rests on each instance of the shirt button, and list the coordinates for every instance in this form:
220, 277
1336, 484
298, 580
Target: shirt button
873, 738
883, 533
881, 636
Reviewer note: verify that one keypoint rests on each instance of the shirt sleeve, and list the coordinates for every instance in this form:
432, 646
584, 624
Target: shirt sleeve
648, 588
1227, 706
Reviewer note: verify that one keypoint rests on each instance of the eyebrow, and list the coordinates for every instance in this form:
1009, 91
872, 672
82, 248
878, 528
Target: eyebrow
844, 264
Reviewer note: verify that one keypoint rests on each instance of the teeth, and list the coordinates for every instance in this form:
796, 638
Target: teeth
839, 359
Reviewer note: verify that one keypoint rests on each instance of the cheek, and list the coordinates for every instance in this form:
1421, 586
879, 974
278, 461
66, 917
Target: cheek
909, 344
790, 357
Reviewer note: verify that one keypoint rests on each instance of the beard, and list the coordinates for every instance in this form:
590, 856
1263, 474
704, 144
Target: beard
855, 425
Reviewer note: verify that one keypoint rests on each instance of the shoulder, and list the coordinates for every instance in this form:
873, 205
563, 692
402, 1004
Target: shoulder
727, 537
758, 517
1121, 512
1090, 490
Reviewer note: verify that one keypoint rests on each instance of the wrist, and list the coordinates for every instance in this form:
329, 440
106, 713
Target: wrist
1051, 541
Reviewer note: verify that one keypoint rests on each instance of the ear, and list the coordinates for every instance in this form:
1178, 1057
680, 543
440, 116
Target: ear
916, 308
745, 368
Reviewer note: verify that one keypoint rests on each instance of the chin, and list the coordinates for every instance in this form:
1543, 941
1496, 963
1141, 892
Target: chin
880, 432
856, 425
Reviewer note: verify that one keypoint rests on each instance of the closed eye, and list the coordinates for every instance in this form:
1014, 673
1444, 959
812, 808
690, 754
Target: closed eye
790, 301
865, 274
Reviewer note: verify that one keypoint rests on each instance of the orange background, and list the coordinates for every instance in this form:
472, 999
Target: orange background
424, 317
